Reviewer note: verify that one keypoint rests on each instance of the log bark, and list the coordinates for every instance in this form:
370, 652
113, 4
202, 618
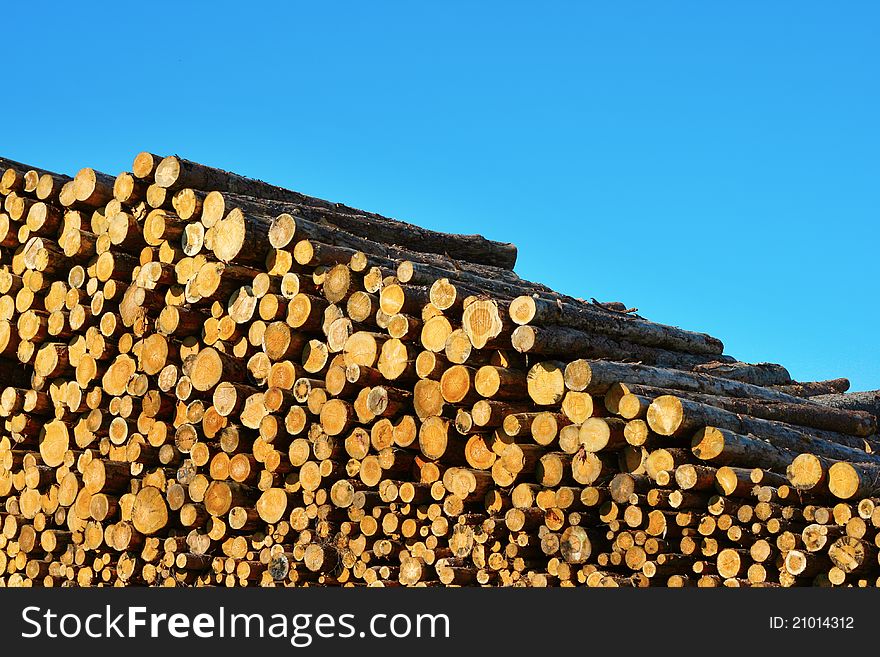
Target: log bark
812, 415
561, 340
723, 447
672, 416
175, 173
759, 374
814, 388
470, 248
865, 402
597, 376
528, 310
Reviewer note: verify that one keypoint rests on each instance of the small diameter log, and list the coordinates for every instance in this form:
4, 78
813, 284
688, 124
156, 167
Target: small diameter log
562, 340
596, 377
529, 310
866, 402
759, 374
470, 248
813, 388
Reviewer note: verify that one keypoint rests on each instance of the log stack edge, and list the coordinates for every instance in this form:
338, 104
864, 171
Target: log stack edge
208, 380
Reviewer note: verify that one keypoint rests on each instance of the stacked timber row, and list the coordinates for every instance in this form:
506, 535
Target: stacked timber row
210, 380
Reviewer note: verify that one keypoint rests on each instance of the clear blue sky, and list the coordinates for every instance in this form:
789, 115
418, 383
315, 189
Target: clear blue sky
714, 164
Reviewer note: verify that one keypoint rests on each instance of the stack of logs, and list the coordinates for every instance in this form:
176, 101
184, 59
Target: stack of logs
210, 380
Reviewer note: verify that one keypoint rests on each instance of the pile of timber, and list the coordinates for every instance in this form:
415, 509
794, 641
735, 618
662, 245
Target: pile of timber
211, 380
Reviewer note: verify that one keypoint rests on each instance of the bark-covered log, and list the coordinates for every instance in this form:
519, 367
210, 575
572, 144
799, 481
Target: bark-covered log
471, 248
759, 374
256, 196
205, 388
561, 340
808, 414
814, 388
597, 376
528, 310
866, 402
672, 416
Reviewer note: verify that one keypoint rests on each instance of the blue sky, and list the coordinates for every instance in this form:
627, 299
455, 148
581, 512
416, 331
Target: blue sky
713, 164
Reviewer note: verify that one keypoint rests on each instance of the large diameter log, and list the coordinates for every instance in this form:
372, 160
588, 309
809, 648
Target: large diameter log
816, 536
209, 366
241, 237
434, 437
500, 383
723, 447
852, 555
545, 383
51, 359
848, 481
602, 434
809, 472
221, 496
150, 512
144, 165
272, 504
529, 310
804, 564
92, 187
597, 376
575, 545
457, 385
337, 416
54, 443
672, 416
805, 414
483, 322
